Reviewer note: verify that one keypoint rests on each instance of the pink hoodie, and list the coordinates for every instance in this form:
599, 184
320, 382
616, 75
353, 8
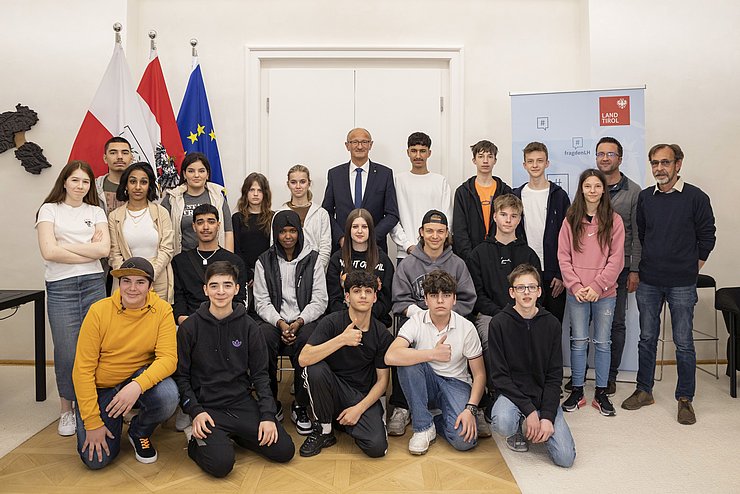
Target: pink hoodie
592, 266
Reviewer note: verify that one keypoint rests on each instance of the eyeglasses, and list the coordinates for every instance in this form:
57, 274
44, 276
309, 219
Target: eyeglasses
525, 288
610, 154
357, 143
661, 162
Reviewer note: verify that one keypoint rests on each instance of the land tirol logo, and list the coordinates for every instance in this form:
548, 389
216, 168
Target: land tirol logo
614, 110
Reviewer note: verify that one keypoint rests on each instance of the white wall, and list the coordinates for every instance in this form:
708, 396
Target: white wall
684, 54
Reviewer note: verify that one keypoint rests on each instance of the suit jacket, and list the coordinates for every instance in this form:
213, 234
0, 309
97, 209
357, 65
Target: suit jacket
379, 199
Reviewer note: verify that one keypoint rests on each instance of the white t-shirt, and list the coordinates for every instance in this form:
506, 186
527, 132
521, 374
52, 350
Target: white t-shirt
417, 194
72, 225
141, 236
535, 210
462, 337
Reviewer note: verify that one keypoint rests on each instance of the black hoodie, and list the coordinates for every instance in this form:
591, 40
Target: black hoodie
527, 360
490, 265
220, 361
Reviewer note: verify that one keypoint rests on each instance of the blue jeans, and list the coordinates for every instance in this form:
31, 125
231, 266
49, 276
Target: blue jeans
561, 447
681, 301
67, 303
424, 388
601, 312
156, 405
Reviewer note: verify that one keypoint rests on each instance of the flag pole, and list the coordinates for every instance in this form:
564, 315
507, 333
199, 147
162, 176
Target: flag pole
152, 42
194, 43
117, 27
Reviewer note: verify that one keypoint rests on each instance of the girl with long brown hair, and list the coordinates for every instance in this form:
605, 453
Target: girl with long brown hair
591, 256
360, 252
252, 221
73, 236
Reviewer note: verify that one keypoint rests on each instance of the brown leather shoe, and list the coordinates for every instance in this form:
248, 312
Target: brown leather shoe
637, 400
686, 415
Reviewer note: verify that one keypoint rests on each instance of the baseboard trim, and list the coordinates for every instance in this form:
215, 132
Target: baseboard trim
49, 363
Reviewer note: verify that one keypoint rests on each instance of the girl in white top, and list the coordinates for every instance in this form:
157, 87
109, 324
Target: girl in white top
142, 228
73, 236
314, 218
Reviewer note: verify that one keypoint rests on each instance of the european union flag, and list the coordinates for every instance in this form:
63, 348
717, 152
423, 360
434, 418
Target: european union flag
195, 124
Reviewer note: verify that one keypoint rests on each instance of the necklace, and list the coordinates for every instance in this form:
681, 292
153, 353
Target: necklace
136, 218
205, 259
290, 203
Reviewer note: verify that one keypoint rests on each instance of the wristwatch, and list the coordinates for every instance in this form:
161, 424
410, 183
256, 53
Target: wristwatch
473, 408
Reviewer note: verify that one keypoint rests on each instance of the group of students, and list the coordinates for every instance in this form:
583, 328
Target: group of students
479, 320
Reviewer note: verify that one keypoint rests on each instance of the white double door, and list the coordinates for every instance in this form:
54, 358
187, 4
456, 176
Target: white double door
308, 110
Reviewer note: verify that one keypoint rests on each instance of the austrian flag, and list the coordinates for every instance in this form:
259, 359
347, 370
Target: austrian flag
116, 110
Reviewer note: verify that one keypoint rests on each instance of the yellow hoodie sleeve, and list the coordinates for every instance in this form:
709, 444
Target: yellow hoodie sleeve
165, 349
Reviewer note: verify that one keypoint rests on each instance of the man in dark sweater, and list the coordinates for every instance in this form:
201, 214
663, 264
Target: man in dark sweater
675, 226
472, 216
346, 373
525, 348
190, 266
222, 359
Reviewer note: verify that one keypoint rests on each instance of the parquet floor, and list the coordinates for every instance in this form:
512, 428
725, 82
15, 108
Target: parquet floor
48, 463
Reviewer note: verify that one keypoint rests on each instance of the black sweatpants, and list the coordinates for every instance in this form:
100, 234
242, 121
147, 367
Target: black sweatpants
330, 395
275, 345
397, 398
215, 453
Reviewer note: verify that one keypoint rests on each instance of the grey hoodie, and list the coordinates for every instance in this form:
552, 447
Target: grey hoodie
407, 291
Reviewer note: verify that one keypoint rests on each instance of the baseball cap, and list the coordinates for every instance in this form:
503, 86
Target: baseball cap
434, 216
135, 266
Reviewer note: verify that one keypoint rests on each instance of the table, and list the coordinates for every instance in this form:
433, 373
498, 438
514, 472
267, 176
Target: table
13, 298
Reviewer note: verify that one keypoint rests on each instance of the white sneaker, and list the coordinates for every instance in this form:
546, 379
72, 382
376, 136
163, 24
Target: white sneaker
182, 420
420, 441
67, 424
400, 418
484, 430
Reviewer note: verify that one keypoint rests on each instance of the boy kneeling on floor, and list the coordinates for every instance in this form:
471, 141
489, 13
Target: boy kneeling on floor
433, 351
222, 358
525, 351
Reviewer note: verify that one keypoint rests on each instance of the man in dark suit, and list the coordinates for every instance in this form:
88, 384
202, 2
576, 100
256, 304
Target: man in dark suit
361, 183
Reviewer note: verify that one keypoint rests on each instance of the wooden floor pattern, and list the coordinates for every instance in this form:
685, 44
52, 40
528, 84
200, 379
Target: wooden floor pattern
48, 463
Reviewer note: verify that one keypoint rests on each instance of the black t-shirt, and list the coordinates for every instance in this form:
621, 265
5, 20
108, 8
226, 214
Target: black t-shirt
355, 365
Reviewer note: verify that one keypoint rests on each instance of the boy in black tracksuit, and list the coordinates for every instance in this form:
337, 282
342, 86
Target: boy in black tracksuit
525, 349
472, 216
222, 357
346, 372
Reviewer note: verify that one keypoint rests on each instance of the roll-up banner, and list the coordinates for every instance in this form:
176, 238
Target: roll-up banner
570, 123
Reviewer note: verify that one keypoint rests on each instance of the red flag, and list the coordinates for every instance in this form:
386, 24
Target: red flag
163, 130
116, 110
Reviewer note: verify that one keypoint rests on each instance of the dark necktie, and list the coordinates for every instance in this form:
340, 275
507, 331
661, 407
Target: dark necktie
358, 188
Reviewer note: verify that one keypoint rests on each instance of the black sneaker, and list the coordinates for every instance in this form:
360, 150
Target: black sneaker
144, 449
569, 385
575, 401
611, 388
602, 403
316, 441
299, 416
279, 415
